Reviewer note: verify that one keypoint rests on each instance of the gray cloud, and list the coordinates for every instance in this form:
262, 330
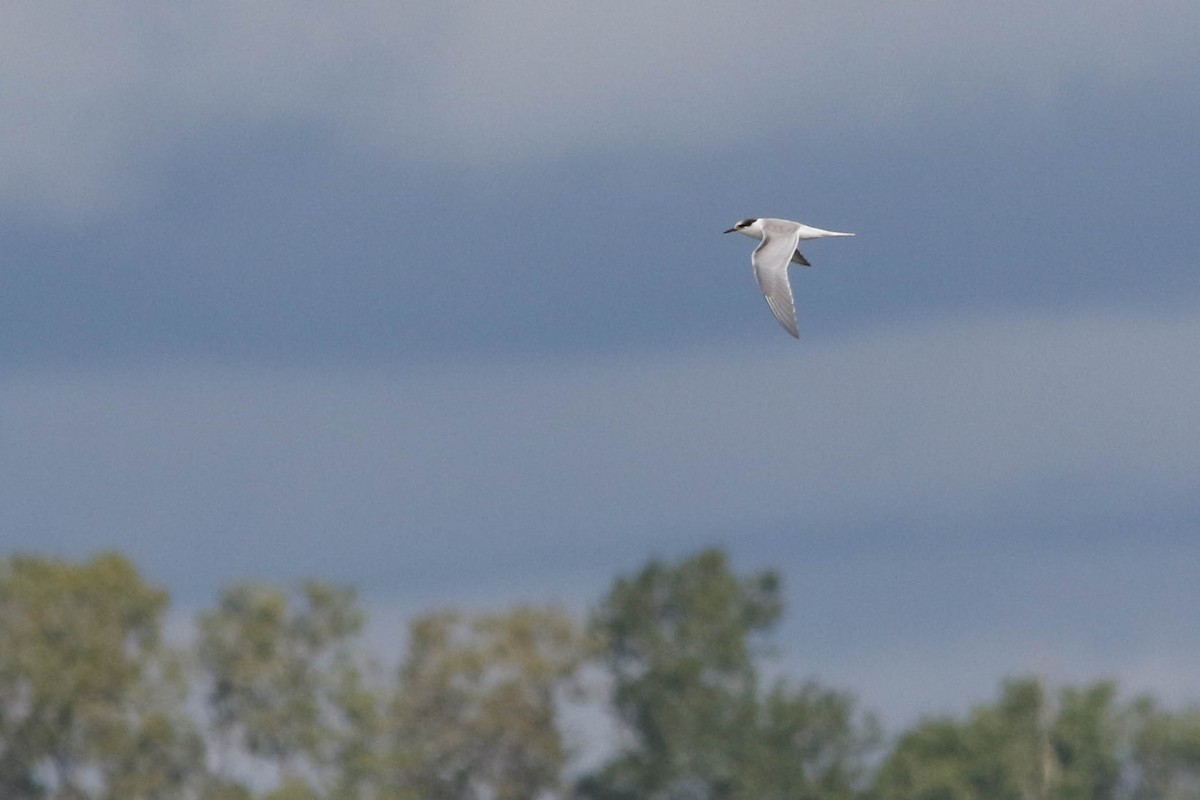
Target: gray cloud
948, 503
917, 426
99, 99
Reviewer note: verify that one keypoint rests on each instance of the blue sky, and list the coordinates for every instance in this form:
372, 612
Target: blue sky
434, 301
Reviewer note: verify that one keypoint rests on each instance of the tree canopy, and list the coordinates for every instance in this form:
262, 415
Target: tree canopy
278, 697
681, 643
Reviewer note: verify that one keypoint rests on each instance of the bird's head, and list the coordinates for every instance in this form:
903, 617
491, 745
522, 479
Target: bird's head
749, 227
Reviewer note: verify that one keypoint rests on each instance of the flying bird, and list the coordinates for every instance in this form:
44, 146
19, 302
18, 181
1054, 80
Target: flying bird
771, 258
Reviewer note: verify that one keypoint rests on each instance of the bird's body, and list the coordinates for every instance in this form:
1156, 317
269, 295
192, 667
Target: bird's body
776, 250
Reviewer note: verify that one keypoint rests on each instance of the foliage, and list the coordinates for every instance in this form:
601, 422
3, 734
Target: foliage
681, 642
1166, 751
88, 695
1022, 747
284, 686
475, 715
285, 706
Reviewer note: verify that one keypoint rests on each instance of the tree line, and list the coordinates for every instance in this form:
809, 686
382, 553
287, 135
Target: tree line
277, 698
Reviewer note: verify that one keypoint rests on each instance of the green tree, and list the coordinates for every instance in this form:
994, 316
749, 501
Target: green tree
285, 685
1023, 747
161, 760
475, 712
1166, 752
91, 702
1087, 733
807, 743
682, 644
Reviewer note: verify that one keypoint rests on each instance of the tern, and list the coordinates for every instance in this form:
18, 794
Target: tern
771, 258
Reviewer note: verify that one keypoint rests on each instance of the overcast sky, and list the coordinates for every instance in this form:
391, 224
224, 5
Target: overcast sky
433, 300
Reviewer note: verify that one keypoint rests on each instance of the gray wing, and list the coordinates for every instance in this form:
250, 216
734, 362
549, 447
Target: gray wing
771, 259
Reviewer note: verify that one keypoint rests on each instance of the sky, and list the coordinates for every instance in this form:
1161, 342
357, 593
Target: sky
434, 301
